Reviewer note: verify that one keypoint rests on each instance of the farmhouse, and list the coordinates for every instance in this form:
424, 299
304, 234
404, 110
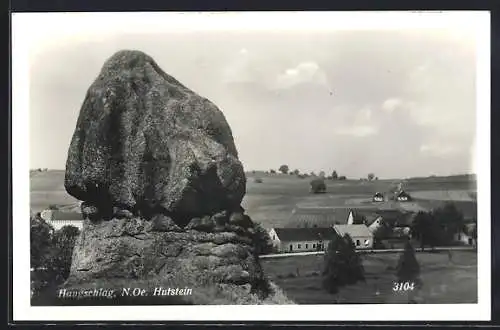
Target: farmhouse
378, 197
361, 236
361, 216
301, 239
403, 196
59, 219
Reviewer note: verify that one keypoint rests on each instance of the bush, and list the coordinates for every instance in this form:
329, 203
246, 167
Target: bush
342, 177
63, 242
261, 240
283, 169
318, 186
51, 254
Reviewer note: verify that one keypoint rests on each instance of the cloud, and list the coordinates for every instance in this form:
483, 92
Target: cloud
437, 149
358, 131
391, 104
363, 124
305, 72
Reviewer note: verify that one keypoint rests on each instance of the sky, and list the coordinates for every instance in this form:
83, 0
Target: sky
394, 101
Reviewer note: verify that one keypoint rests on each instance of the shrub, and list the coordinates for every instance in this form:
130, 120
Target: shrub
63, 242
283, 169
318, 186
261, 240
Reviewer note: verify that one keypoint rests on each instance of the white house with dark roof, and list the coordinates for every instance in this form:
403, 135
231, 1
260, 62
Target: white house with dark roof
59, 219
378, 197
301, 239
360, 234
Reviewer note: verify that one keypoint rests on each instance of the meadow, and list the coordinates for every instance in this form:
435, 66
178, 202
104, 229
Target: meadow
272, 201
444, 281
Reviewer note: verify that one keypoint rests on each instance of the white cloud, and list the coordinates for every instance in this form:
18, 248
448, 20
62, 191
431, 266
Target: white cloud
391, 104
436, 149
305, 72
358, 130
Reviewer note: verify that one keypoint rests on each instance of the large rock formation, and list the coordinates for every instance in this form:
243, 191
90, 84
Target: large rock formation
158, 173
147, 144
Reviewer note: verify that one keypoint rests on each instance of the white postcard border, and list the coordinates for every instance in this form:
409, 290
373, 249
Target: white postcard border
470, 21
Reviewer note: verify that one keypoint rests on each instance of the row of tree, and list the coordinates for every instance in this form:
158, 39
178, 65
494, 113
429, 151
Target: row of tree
285, 169
438, 227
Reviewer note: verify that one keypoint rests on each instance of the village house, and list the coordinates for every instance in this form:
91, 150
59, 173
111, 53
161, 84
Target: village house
378, 197
403, 196
59, 219
361, 236
301, 239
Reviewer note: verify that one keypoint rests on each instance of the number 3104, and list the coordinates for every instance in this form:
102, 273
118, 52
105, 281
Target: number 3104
403, 286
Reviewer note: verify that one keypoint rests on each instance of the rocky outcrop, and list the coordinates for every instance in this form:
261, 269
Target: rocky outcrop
158, 173
147, 144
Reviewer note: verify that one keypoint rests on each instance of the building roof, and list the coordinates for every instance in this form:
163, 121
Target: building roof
305, 234
65, 215
363, 216
353, 230
320, 215
403, 193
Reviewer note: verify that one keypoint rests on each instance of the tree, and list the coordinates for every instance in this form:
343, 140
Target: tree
261, 239
322, 174
425, 229
312, 173
450, 219
272, 171
354, 267
376, 178
335, 176
371, 176
318, 186
63, 243
408, 269
296, 172
283, 169
332, 266
40, 241
342, 177
342, 265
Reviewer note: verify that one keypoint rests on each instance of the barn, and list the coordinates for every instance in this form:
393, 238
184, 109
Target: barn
301, 239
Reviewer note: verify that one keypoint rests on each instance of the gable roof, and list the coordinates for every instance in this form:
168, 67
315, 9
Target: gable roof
403, 193
363, 216
321, 215
353, 230
305, 234
65, 215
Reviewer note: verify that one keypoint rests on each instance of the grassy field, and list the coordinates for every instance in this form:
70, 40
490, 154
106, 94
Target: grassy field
272, 201
444, 281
